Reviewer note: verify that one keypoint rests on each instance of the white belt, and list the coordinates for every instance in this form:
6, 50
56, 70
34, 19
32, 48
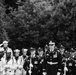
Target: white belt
52, 63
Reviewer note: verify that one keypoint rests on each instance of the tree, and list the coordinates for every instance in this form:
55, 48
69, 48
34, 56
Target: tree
36, 22
3, 33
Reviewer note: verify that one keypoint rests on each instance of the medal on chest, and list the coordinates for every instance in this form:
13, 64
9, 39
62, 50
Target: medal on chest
55, 55
70, 64
35, 62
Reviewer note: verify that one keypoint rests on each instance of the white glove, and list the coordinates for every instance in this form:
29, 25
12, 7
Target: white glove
31, 65
29, 71
65, 68
44, 73
58, 73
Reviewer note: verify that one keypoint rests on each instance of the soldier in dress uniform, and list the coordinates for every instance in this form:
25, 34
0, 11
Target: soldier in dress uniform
54, 61
64, 59
18, 62
62, 49
24, 58
31, 64
6, 48
41, 62
71, 64
9, 63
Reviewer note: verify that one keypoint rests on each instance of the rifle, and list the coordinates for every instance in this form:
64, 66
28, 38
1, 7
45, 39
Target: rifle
30, 70
65, 68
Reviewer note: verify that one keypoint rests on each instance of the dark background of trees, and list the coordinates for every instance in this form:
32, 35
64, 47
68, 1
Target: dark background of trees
26, 23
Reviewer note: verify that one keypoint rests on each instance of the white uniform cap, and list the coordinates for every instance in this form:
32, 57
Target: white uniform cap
1, 49
53, 43
5, 42
16, 50
25, 50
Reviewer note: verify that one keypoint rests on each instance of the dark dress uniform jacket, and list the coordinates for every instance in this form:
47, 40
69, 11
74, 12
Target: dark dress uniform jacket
34, 62
41, 65
71, 67
54, 61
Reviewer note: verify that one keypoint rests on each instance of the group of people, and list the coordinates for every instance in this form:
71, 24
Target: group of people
52, 61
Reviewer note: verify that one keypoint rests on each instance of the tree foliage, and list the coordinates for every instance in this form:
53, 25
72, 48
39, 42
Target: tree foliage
36, 22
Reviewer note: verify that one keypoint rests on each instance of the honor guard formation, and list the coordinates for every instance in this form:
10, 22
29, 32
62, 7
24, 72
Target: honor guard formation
49, 60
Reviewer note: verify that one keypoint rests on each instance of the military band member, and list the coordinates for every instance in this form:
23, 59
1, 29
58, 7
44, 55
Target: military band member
54, 61
31, 65
71, 63
18, 62
41, 62
62, 49
64, 60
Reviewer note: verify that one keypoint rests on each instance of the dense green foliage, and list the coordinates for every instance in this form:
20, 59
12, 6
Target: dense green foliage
35, 22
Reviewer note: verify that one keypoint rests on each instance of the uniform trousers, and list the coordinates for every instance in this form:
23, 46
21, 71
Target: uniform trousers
51, 69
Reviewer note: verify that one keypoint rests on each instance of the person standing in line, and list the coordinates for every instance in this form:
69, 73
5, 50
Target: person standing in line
17, 62
24, 58
54, 60
41, 62
31, 64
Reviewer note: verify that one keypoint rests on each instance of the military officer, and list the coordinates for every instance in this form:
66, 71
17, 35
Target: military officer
54, 61
31, 64
18, 62
64, 60
41, 62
